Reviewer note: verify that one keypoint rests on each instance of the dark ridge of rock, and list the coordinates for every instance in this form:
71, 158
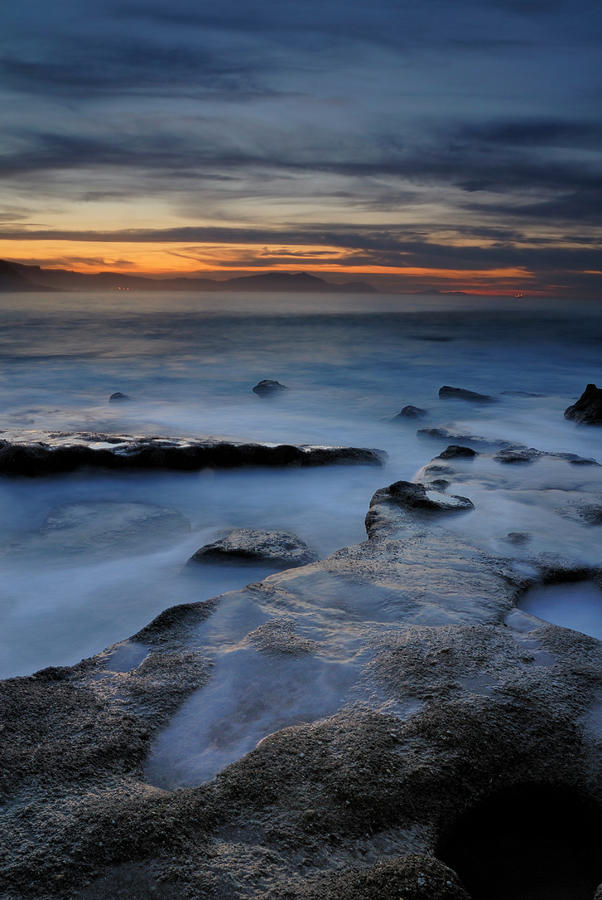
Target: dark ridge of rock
518, 455
441, 432
410, 412
584, 461
269, 388
588, 408
277, 548
118, 397
174, 622
454, 393
457, 451
48, 453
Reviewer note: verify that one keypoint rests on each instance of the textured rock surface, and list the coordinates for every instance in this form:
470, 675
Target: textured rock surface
459, 698
279, 548
118, 397
47, 453
588, 408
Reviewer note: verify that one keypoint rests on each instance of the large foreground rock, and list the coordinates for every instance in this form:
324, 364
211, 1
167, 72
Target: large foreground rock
588, 408
48, 453
278, 548
448, 745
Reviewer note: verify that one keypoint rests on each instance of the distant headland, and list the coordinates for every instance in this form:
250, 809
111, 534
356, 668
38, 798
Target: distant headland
19, 277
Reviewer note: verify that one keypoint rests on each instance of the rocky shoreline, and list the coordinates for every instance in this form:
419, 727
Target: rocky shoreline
462, 760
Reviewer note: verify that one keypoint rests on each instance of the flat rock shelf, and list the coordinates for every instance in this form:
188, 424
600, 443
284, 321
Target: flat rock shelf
383, 723
39, 453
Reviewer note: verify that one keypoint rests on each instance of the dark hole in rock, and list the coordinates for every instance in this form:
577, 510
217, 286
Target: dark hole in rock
529, 842
570, 604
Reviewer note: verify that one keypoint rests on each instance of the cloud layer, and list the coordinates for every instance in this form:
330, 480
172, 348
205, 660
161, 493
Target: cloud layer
383, 137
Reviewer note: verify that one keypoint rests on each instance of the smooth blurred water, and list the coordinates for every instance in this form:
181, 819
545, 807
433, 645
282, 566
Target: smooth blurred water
189, 363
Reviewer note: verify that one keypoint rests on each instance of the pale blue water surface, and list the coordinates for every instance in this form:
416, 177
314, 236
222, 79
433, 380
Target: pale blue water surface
189, 363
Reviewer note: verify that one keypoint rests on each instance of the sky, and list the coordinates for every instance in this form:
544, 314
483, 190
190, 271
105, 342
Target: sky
417, 144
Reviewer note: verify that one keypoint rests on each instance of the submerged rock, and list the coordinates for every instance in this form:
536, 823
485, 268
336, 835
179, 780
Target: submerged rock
269, 388
455, 393
518, 537
410, 412
588, 408
278, 548
118, 397
99, 529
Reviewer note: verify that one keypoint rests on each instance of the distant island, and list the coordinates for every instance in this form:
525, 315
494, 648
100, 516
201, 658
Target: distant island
19, 277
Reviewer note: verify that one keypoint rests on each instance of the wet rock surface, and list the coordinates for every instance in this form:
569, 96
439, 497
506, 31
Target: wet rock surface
588, 408
279, 548
408, 495
118, 397
453, 701
456, 451
455, 393
49, 453
410, 412
269, 388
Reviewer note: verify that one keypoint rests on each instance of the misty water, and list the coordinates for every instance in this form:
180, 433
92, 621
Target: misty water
89, 558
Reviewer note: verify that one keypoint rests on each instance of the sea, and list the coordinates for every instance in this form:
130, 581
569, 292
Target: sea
88, 558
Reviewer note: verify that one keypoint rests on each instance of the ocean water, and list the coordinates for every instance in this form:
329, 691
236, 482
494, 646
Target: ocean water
89, 558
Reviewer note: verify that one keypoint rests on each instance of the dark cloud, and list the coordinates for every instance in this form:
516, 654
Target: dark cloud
482, 116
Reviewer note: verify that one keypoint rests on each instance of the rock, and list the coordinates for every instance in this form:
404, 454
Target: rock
408, 495
588, 408
592, 514
269, 388
444, 433
99, 529
440, 484
456, 451
277, 548
454, 393
410, 412
522, 394
518, 455
410, 877
118, 397
518, 537
463, 725
47, 453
